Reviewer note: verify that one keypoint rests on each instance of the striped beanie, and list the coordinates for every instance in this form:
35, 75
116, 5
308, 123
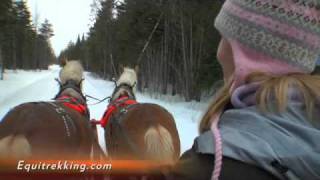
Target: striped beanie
267, 34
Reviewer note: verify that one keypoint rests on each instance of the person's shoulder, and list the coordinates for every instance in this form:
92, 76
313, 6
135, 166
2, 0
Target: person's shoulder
246, 112
192, 165
198, 164
294, 110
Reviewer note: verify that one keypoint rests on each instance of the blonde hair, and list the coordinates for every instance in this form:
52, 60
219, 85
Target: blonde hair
273, 88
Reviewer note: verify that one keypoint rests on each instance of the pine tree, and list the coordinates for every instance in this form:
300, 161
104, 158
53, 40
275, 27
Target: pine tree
19, 40
5, 7
46, 31
173, 42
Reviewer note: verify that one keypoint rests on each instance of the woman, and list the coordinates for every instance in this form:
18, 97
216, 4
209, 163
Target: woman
264, 122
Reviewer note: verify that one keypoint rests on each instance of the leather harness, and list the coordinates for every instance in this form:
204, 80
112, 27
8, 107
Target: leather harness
70, 102
120, 105
115, 113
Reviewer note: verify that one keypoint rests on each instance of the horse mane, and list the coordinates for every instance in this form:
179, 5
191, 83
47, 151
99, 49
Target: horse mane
129, 76
72, 70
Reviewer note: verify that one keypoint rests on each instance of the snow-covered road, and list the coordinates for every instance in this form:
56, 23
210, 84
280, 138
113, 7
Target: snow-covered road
26, 86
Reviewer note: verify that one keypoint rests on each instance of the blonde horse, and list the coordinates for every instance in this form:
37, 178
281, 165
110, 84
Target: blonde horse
58, 129
138, 130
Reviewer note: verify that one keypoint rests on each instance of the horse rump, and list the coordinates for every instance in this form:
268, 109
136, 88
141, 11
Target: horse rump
14, 147
159, 144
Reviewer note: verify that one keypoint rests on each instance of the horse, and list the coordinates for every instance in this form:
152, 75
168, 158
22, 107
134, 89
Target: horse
138, 131
58, 129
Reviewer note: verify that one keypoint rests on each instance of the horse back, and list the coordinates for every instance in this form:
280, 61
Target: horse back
46, 131
140, 120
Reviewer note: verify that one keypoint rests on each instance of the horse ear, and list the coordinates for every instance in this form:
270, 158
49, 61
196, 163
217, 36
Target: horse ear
136, 68
64, 61
59, 82
121, 68
80, 82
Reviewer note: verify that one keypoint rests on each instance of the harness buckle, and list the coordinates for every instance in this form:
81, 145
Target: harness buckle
60, 110
123, 110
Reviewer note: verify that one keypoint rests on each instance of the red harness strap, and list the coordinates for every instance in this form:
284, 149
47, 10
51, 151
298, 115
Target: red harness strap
73, 103
121, 102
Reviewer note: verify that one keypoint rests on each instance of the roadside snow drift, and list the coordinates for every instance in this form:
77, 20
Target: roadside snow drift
28, 86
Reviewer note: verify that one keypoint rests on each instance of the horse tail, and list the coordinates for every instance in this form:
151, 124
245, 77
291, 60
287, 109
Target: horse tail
159, 144
15, 146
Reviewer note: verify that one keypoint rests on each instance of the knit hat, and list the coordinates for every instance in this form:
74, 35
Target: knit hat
273, 36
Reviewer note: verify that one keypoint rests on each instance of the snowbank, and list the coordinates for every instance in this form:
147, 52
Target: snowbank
26, 86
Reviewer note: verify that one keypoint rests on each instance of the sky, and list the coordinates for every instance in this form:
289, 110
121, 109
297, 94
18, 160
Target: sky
68, 17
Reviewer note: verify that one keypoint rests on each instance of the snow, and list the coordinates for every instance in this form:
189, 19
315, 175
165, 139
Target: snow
28, 86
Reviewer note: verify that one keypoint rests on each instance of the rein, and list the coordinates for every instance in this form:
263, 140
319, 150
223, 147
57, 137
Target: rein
115, 103
99, 101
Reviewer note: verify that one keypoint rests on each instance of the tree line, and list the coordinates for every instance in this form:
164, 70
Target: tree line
23, 45
173, 42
